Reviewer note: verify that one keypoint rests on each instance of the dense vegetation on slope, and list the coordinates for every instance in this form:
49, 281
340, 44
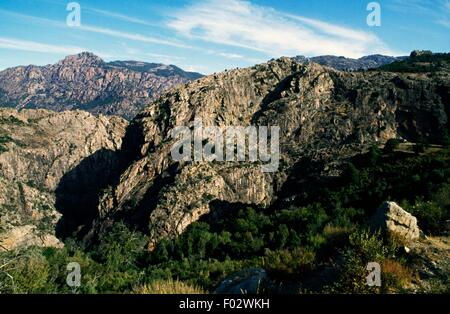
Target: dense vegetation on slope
315, 231
421, 63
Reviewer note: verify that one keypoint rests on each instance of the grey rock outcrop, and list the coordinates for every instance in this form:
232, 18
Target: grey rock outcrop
391, 218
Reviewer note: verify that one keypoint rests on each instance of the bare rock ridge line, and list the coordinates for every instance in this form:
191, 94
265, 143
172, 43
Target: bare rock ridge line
86, 82
128, 174
348, 64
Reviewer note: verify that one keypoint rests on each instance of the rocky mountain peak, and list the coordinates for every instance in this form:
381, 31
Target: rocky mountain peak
84, 81
82, 59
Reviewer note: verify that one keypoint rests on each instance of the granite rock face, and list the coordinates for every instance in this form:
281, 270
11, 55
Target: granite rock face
39, 151
86, 82
96, 170
323, 114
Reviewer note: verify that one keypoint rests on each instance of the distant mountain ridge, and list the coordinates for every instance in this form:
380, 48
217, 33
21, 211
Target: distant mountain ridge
84, 81
349, 64
157, 68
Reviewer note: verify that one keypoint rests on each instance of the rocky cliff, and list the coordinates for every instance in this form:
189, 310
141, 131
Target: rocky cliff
46, 159
80, 172
324, 115
86, 82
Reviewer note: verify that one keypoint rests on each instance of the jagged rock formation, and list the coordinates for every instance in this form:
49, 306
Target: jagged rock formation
86, 82
393, 219
324, 115
46, 159
349, 64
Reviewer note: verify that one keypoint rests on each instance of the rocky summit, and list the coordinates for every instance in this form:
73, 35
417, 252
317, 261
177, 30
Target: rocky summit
86, 82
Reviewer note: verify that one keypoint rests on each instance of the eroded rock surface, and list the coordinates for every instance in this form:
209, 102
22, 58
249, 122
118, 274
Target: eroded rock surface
324, 115
86, 82
39, 152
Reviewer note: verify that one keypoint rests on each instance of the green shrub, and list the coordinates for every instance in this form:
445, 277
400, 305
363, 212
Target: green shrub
431, 217
363, 248
4, 139
120, 248
288, 263
351, 175
26, 272
419, 148
391, 145
374, 155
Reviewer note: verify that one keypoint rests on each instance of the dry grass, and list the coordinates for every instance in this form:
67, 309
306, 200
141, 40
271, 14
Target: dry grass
397, 240
168, 287
396, 275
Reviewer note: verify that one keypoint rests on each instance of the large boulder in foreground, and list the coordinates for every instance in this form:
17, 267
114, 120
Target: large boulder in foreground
393, 219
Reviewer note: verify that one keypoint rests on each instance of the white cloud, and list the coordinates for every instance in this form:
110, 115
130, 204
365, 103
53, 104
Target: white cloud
445, 23
121, 17
230, 55
98, 30
196, 68
131, 36
245, 25
17, 44
426, 7
138, 54
438, 10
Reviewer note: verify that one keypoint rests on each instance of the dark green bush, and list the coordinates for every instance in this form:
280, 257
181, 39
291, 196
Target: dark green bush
391, 145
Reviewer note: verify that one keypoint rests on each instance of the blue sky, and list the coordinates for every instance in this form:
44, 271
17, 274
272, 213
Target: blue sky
212, 35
